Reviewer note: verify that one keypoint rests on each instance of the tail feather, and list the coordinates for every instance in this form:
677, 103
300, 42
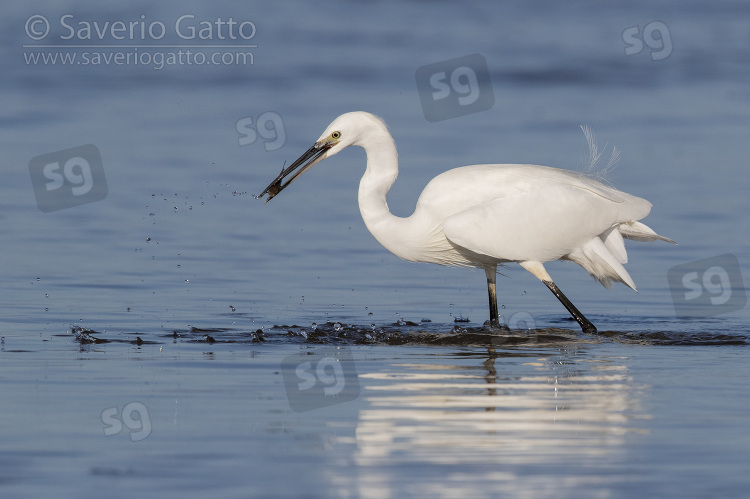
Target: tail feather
613, 241
603, 256
640, 232
597, 259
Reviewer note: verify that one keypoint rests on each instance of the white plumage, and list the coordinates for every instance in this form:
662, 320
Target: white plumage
485, 215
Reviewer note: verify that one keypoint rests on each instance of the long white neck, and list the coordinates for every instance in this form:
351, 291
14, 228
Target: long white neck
419, 237
381, 173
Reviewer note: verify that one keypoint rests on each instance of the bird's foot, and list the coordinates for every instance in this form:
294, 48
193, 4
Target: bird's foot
495, 326
588, 328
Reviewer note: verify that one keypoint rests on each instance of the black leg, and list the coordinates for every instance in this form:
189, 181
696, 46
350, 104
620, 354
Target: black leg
491, 273
586, 326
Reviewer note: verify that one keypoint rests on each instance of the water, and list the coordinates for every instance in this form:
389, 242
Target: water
181, 298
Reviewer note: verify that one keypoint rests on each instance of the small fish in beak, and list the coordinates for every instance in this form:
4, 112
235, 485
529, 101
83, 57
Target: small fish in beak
272, 190
311, 157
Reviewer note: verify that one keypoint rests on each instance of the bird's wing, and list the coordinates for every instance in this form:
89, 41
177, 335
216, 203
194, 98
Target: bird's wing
462, 188
543, 223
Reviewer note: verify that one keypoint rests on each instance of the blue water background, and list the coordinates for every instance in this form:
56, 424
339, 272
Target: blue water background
180, 242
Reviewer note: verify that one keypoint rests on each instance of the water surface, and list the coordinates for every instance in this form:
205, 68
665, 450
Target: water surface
186, 300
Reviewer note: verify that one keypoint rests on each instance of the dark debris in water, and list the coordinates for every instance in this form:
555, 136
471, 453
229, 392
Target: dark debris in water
85, 336
410, 333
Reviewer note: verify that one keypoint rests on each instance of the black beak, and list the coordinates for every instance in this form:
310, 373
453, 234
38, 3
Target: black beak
304, 163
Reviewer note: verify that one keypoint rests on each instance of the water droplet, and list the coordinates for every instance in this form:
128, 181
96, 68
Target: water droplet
401, 322
314, 326
337, 327
231, 308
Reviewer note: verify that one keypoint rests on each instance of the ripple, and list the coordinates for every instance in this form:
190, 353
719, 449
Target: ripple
424, 334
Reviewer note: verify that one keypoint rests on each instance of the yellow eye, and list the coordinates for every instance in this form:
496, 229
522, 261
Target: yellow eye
336, 135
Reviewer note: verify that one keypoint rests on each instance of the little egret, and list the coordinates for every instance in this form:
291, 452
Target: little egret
488, 215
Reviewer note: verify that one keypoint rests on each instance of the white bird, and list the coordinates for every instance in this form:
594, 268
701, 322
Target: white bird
488, 215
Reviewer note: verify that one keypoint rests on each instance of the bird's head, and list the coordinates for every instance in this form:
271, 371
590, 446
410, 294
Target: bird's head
346, 130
